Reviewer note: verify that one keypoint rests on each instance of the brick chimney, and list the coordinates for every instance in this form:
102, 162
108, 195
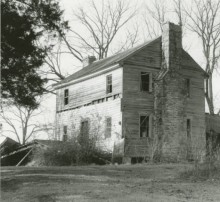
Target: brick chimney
88, 60
169, 100
172, 45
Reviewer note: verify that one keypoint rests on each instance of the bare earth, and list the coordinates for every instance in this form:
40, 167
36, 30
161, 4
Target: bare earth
104, 183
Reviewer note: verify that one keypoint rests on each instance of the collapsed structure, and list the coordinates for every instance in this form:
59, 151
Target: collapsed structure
149, 99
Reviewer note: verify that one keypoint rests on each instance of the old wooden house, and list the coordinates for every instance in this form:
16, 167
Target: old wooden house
145, 99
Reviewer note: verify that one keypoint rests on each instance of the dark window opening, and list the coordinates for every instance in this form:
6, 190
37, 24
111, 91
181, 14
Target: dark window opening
64, 133
144, 126
66, 97
187, 87
109, 84
84, 128
188, 128
108, 128
145, 81
188, 131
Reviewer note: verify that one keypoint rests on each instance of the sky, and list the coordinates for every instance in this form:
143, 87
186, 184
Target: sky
191, 42
69, 65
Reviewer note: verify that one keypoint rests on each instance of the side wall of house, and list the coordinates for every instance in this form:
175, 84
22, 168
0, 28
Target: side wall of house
195, 106
135, 102
88, 101
176, 107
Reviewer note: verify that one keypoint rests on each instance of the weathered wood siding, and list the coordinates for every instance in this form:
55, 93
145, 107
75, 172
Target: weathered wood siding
88, 90
83, 105
134, 101
95, 114
195, 104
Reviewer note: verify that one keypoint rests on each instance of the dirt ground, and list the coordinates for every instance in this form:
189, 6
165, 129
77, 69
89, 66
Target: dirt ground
105, 183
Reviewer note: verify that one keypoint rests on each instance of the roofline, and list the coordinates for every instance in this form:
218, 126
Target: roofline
139, 48
112, 67
147, 43
200, 68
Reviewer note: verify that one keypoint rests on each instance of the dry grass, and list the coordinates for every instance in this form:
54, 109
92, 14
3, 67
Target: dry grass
141, 182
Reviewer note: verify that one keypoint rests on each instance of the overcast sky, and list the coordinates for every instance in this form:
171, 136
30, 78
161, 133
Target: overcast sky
190, 41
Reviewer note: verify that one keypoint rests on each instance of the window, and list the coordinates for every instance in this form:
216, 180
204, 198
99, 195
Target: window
187, 87
109, 84
66, 97
188, 129
84, 128
64, 133
145, 84
108, 127
144, 126
188, 132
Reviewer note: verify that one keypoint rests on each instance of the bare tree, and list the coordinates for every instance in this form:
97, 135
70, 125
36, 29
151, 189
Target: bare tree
53, 62
101, 24
205, 22
21, 122
131, 39
154, 17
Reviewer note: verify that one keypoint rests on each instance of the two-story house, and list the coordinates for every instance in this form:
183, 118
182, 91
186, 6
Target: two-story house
151, 96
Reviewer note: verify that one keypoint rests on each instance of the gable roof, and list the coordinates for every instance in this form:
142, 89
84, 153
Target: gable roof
106, 62
115, 59
193, 62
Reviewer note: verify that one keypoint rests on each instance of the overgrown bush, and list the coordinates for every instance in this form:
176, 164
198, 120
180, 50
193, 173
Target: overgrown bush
72, 152
209, 169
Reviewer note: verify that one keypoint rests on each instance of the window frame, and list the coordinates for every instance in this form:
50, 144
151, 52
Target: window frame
109, 88
188, 87
66, 96
87, 132
141, 82
108, 128
149, 126
189, 134
65, 131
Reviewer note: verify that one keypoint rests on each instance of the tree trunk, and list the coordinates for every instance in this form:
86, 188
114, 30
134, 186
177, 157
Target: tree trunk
209, 94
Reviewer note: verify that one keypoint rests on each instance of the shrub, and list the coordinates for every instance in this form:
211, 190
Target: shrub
72, 152
210, 169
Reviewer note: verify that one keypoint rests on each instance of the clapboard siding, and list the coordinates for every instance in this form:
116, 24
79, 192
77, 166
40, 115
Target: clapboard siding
148, 57
134, 101
96, 115
195, 105
88, 90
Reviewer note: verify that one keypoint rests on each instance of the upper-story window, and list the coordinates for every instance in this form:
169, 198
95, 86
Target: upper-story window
109, 84
146, 82
66, 97
187, 84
